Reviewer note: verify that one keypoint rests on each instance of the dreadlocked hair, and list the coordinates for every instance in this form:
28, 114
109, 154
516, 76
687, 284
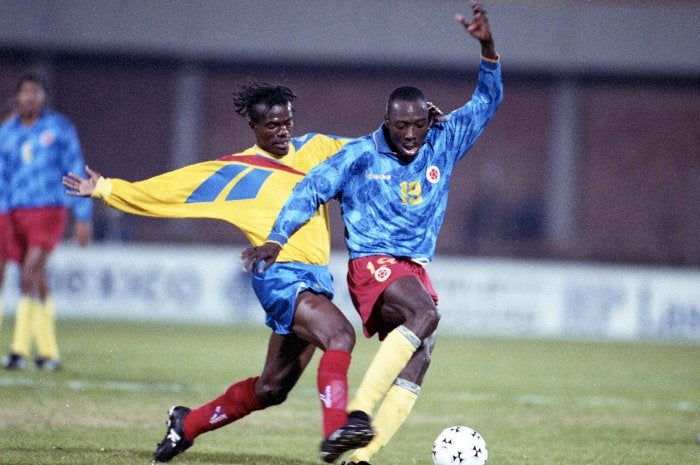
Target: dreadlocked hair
251, 95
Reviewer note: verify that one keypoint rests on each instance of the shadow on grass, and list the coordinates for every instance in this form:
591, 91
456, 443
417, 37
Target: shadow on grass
87, 455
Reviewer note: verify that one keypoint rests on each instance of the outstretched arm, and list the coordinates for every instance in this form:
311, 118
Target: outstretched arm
79, 186
480, 29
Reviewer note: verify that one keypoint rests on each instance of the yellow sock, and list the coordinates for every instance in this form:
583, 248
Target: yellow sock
24, 326
45, 330
393, 355
392, 412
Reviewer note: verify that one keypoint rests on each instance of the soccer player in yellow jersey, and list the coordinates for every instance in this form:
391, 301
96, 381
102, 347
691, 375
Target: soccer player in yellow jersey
248, 189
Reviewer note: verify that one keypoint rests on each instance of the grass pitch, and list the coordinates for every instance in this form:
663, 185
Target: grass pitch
534, 401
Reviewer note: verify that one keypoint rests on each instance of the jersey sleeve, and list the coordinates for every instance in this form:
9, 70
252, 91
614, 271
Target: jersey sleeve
466, 124
163, 196
317, 148
320, 185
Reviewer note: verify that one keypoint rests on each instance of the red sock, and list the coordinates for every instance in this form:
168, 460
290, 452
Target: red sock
332, 382
238, 401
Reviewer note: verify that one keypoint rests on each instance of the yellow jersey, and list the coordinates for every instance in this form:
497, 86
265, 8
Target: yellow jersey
246, 189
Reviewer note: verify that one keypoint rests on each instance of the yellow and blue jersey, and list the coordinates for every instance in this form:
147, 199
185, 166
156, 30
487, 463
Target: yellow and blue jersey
390, 207
245, 189
37, 157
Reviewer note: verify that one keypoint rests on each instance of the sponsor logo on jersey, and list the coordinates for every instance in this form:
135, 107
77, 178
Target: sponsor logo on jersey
380, 177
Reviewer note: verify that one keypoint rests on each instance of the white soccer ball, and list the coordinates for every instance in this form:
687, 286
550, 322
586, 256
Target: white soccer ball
459, 445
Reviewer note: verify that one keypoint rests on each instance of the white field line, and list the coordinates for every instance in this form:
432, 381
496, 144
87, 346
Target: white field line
83, 385
588, 401
525, 399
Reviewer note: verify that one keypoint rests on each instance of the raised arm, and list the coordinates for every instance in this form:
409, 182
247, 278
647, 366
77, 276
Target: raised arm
480, 29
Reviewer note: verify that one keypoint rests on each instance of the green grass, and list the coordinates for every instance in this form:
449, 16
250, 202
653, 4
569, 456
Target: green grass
534, 401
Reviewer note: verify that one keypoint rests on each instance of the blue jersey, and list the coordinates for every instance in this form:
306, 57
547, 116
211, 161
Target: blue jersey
389, 207
37, 158
4, 184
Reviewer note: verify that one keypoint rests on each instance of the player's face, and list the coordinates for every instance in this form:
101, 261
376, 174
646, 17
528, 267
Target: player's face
31, 98
274, 129
408, 125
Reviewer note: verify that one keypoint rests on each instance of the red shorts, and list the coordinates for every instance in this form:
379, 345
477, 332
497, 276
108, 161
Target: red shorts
369, 276
5, 237
36, 227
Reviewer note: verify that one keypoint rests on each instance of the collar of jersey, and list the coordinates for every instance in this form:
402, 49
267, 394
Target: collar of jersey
285, 160
380, 142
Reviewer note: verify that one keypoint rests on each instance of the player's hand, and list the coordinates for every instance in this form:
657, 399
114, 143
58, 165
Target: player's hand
252, 257
435, 115
479, 27
79, 186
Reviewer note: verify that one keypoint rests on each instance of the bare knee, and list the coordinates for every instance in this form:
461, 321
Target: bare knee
424, 322
432, 320
271, 393
342, 338
28, 279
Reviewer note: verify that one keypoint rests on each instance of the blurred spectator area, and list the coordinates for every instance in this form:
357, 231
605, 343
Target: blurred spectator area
596, 163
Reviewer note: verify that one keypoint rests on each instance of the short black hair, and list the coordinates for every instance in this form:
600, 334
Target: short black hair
31, 76
406, 94
254, 94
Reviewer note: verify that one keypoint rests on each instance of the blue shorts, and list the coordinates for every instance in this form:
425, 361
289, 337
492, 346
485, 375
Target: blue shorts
277, 289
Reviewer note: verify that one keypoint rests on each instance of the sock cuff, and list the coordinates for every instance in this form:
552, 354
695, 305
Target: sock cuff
29, 301
339, 359
409, 386
409, 335
251, 400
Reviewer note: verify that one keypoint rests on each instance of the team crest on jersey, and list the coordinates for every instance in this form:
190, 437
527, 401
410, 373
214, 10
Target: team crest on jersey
46, 138
432, 174
382, 273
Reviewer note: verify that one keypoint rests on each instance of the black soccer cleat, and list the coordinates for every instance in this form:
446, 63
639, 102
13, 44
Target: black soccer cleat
14, 361
356, 433
361, 462
49, 364
174, 442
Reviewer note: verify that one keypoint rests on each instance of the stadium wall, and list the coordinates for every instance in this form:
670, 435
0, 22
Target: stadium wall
514, 298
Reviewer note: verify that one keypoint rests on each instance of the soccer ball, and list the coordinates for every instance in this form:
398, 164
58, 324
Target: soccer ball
459, 445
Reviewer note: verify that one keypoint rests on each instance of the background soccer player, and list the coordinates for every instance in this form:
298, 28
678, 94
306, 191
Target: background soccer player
392, 186
247, 190
39, 146
4, 226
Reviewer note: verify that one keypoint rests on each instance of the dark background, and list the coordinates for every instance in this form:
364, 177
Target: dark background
629, 190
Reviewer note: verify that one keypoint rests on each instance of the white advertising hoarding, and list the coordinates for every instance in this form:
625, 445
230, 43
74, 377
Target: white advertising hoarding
477, 296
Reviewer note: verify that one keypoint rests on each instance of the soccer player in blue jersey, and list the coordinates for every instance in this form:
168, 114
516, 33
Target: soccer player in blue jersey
4, 226
392, 186
247, 190
39, 146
